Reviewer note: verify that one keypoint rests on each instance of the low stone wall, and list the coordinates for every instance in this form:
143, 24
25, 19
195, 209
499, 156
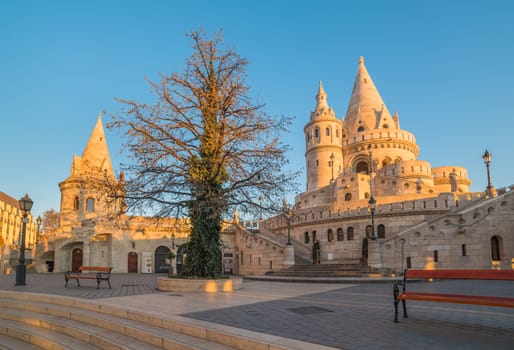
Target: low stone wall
167, 284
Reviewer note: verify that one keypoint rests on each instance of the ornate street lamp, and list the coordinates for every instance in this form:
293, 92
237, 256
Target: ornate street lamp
372, 202
21, 270
487, 160
287, 213
38, 222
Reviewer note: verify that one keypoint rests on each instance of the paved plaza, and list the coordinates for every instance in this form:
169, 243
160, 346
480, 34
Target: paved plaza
352, 315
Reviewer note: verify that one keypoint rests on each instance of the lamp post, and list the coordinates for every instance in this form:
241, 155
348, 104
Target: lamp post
287, 213
331, 164
487, 160
25, 205
38, 222
372, 202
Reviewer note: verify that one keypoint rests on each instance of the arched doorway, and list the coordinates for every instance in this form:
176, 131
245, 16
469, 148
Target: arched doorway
362, 167
161, 254
48, 258
132, 262
495, 248
76, 259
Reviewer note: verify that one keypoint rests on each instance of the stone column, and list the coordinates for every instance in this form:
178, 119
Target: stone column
289, 255
374, 256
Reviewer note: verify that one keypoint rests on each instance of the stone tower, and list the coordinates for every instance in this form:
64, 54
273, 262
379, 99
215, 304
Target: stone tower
323, 138
79, 200
370, 128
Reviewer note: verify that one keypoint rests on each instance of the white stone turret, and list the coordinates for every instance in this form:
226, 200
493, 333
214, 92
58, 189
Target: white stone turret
323, 138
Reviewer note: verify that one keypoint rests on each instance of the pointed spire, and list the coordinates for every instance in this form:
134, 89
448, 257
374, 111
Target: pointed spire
366, 104
321, 97
96, 154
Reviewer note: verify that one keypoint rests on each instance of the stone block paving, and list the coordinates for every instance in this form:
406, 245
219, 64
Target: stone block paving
361, 317
53, 283
344, 316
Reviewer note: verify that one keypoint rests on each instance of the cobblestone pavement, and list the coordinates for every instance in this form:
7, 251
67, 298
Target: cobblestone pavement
53, 283
344, 316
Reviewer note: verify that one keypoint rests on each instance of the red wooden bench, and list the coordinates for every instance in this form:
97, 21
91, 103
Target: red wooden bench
451, 298
97, 273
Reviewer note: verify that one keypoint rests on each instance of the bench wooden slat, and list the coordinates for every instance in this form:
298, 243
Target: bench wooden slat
462, 274
470, 274
99, 273
458, 299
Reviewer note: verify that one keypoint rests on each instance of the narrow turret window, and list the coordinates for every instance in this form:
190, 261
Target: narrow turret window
316, 133
76, 203
327, 131
90, 205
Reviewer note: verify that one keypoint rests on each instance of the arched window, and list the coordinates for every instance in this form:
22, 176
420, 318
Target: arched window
348, 197
76, 203
495, 248
349, 234
90, 205
381, 231
362, 167
316, 133
337, 133
340, 234
327, 131
368, 231
306, 238
330, 235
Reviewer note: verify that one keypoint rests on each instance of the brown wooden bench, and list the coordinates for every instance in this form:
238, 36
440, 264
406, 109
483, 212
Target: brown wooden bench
507, 275
97, 273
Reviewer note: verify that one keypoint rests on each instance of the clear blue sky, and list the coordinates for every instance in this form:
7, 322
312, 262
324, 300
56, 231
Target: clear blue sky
447, 67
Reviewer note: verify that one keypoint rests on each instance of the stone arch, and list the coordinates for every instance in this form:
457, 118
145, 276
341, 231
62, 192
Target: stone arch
160, 256
362, 167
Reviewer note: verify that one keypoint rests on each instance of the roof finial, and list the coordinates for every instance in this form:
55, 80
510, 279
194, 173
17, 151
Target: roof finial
361, 60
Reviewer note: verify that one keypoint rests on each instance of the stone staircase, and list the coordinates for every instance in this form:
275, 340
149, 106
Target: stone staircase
40, 321
324, 270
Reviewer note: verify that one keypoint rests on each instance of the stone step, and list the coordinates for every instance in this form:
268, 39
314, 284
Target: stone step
115, 324
108, 330
10, 343
41, 338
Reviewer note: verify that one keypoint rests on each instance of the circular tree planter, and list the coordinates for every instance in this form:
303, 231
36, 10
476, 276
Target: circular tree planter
167, 284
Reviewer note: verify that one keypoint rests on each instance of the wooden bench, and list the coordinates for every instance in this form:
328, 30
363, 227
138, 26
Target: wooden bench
98, 273
507, 275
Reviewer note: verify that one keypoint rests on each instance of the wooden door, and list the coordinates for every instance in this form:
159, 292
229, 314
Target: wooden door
76, 259
132, 262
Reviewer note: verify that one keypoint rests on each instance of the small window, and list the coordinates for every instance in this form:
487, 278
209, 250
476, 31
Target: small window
340, 234
349, 234
409, 263
381, 231
316, 133
348, 197
337, 133
463, 250
90, 205
327, 131
436, 256
76, 203
314, 239
330, 235
360, 129
306, 238
368, 231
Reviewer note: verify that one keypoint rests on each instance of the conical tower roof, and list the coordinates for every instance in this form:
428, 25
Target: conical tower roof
322, 108
366, 108
96, 154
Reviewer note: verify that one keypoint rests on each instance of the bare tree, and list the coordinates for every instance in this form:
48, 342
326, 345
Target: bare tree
203, 148
50, 220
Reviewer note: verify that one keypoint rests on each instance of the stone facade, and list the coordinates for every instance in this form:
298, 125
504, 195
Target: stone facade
10, 233
417, 207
